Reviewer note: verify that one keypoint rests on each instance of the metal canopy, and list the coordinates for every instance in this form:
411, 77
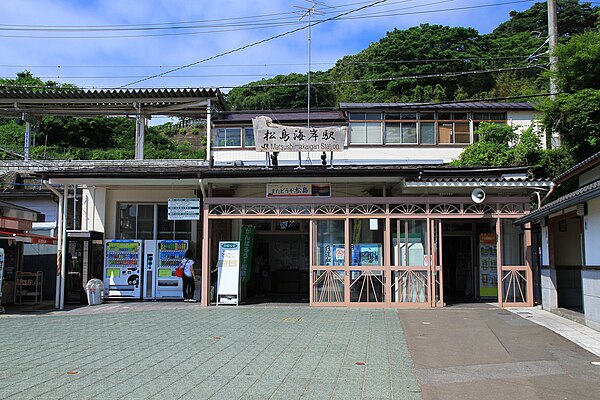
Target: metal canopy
109, 102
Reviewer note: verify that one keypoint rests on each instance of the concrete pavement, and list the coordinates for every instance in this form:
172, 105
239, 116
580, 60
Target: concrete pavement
481, 352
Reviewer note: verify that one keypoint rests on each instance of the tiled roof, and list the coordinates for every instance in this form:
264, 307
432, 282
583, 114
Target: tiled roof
161, 169
579, 168
79, 102
578, 196
474, 105
64, 94
279, 116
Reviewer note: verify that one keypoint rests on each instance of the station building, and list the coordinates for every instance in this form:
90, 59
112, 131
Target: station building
384, 221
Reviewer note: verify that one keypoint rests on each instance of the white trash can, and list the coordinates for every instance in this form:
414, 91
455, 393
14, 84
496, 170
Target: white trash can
94, 289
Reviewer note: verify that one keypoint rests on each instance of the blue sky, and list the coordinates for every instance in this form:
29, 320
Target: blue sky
114, 43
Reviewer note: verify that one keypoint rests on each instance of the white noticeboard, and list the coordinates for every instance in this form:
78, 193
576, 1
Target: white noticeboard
228, 284
183, 209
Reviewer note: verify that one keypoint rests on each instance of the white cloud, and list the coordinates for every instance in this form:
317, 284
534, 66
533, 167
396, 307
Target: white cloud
83, 61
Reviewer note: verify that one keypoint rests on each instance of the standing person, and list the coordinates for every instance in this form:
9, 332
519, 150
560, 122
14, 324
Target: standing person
189, 278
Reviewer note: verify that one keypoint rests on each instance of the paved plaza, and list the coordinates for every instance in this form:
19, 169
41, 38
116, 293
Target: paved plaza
176, 350
182, 350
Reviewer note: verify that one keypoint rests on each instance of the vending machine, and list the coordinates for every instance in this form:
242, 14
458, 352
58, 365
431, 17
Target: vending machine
161, 258
123, 269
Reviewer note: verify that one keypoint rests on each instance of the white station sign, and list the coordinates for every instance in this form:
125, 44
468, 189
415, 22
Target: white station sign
270, 137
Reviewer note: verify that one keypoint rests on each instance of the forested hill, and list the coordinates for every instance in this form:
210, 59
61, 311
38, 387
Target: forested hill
433, 63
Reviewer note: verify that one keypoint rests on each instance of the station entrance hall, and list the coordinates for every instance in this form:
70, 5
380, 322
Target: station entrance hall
373, 255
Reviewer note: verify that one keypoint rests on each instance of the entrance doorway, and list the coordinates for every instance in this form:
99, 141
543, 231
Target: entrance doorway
568, 260
469, 263
457, 261
279, 270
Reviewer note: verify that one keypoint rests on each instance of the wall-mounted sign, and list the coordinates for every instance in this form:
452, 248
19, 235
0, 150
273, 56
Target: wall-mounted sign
299, 190
184, 209
270, 137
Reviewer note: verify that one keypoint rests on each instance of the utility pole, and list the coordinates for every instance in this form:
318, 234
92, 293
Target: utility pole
552, 43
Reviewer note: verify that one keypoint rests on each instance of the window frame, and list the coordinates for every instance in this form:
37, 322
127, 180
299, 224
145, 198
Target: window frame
354, 120
157, 234
225, 129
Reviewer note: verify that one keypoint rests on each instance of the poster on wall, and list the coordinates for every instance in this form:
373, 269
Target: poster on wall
366, 254
488, 265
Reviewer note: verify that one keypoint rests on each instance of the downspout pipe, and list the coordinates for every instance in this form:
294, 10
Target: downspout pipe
63, 261
552, 187
59, 248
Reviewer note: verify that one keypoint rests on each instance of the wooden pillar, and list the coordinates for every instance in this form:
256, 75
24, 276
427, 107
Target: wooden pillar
205, 289
499, 259
528, 262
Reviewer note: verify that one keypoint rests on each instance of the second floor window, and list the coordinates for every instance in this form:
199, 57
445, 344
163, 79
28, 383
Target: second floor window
401, 128
229, 137
365, 128
249, 137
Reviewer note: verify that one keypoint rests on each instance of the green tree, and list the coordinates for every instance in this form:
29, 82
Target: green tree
572, 18
448, 49
287, 91
578, 63
499, 145
575, 113
576, 117
26, 80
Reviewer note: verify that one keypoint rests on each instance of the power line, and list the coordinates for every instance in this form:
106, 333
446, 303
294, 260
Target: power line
253, 26
398, 78
253, 44
263, 75
109, 27
341, 82
344, 62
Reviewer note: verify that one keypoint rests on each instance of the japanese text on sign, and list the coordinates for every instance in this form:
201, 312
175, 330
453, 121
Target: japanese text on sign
270, 137
299, 189
183, 209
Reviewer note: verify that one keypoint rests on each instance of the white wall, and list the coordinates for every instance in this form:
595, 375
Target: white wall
592, 233
549, 293
141, 195
591, 297
93, 208
407, 154
567, 245
522, 120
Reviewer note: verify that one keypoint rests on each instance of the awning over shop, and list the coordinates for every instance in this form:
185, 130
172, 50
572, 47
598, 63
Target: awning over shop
28, 237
